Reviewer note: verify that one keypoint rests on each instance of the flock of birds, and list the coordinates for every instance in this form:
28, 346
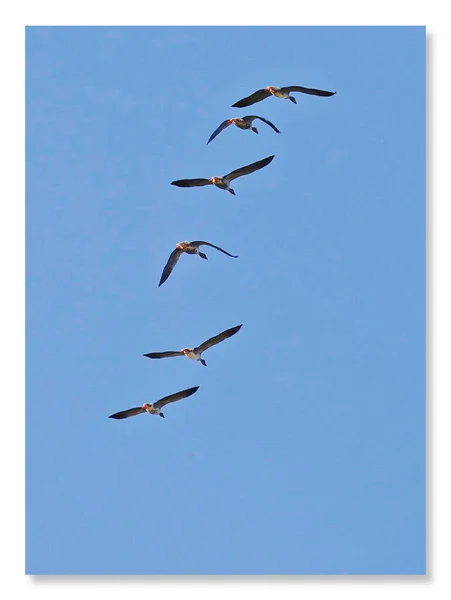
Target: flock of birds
222, 183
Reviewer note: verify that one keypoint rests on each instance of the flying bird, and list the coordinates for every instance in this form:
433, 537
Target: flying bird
279, 92
196, 353
244, 123
223, 183
189, 248
155, 408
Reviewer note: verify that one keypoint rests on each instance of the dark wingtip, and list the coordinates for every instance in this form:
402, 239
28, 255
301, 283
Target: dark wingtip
193, 389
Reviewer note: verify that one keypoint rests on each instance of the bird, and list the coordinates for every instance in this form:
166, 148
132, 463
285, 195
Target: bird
279, 92
189, 248
244, 123
155, 408
223, 183
196, 353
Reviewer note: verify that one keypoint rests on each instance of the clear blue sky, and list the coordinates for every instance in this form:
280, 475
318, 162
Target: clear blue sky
304, 449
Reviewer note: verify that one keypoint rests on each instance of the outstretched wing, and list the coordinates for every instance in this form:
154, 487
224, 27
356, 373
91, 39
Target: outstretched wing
252, 99
162, 354
223, 125
217, 338
197, 244
172, 261
249, 168
131, 412
250, 118
190, 182
311, 91
175, 397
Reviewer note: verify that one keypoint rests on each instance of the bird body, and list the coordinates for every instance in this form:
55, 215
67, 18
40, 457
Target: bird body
222, 183
279, 92
153, 410
191, 354
188, 247
240, 123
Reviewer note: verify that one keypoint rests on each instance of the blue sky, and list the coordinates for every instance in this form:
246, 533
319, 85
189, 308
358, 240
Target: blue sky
303, 450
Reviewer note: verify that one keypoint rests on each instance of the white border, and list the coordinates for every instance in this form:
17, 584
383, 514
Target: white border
13, 17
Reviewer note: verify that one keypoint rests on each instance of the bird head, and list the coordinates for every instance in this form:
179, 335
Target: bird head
214, 180
182, 245
185, 350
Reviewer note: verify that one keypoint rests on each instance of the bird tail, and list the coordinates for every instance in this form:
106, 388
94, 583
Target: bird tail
254, 129
203, 362
292, 98
232, 191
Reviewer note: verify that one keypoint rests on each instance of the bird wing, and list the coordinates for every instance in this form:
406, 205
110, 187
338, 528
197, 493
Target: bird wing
190, 182
223, 125
252, 117
175, 397
172, 261
131, 412
217, 338
311, 91
162, 354
197, 244
252, 99
249, 168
